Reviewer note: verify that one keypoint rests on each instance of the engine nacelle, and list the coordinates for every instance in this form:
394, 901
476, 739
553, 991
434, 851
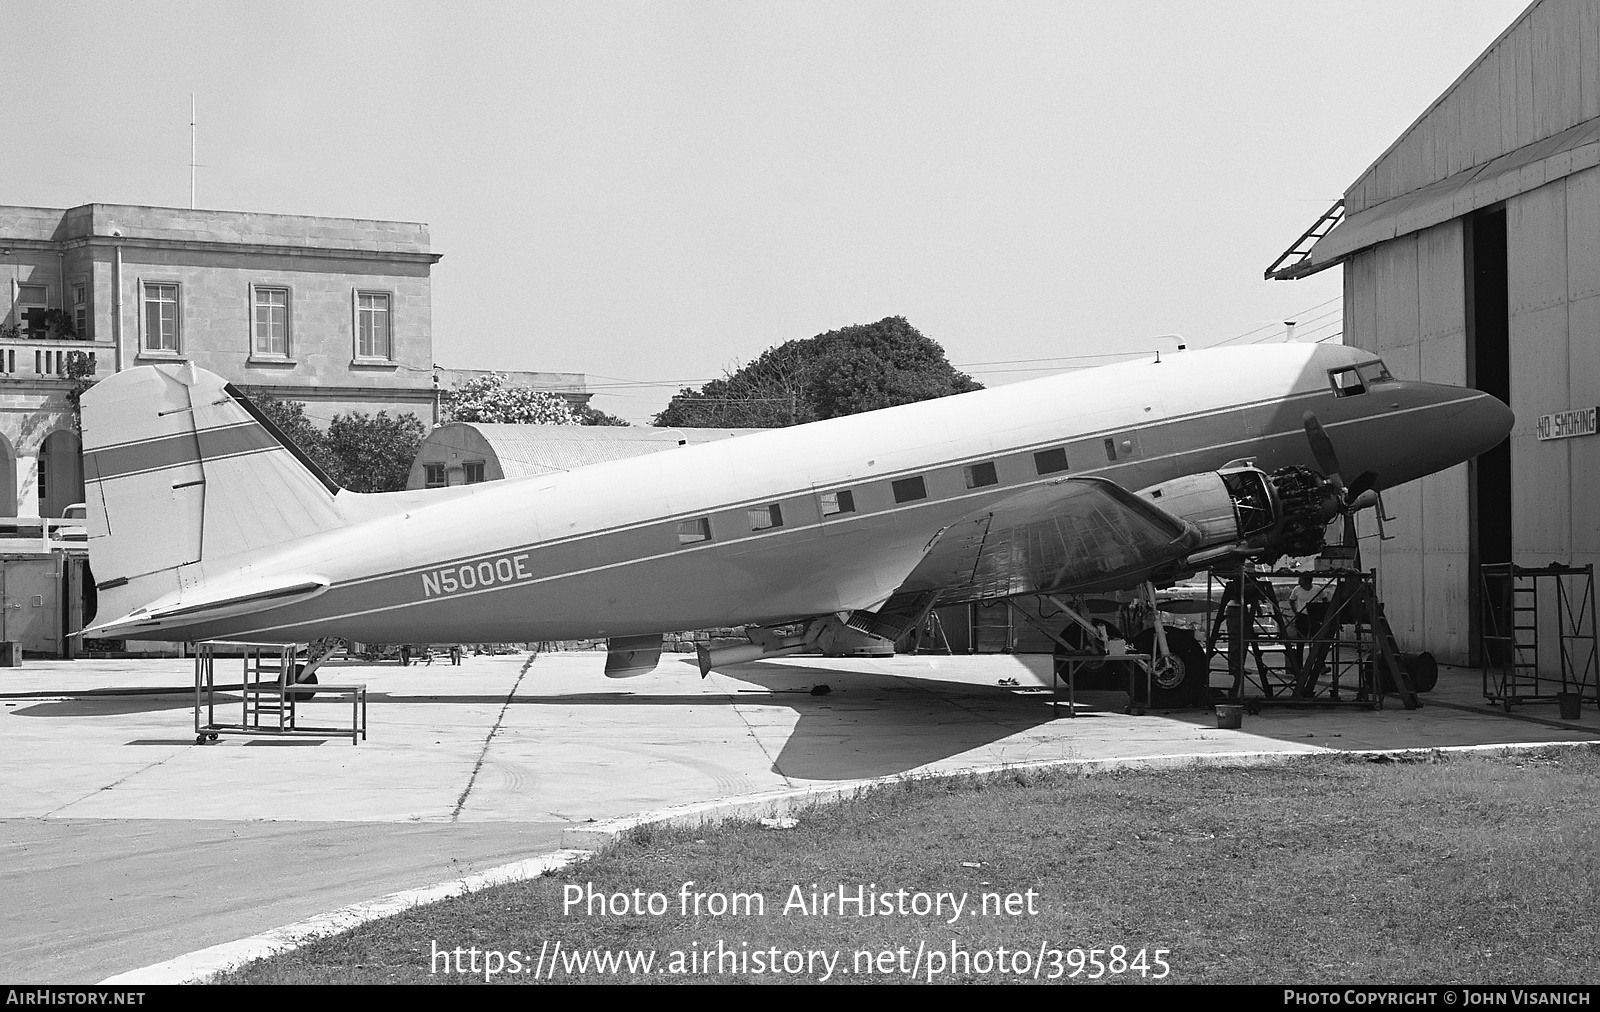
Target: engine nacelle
1244, 510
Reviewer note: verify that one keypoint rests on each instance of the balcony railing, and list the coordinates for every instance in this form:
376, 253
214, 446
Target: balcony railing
42, 534
21, 357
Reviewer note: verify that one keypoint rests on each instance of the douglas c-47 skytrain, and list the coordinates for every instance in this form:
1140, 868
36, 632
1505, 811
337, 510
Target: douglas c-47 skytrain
205, 523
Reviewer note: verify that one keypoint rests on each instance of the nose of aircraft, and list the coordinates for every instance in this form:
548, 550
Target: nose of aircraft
1481, 422
1445, 426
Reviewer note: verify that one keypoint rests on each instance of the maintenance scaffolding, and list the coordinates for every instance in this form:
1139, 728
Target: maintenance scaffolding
1339, 650
1516, 625
275, 682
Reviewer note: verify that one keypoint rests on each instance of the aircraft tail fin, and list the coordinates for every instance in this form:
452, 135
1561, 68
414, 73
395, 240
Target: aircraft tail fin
181, 471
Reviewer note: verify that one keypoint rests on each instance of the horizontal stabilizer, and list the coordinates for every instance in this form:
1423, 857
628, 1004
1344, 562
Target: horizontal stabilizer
212, 604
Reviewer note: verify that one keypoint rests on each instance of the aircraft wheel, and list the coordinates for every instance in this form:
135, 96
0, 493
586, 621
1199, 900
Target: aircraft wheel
302, 695
1092, 674
1075, 636
1177, 680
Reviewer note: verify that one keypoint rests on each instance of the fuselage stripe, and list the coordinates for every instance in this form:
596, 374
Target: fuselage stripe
996, 492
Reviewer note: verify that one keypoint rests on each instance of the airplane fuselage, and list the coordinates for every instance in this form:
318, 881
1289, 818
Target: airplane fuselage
754, 529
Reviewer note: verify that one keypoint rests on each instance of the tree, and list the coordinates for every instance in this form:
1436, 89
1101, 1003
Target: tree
842, 372
290, 418
374, 452
491, 399
588, 415
361, 452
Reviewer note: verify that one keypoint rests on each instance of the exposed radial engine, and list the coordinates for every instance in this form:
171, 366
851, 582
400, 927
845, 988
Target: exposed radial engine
1242, 510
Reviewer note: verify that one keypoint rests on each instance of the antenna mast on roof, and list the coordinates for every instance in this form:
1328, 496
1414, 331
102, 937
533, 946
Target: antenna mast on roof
191, 150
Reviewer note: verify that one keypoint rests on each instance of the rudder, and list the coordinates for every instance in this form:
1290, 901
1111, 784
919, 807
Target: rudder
181, 474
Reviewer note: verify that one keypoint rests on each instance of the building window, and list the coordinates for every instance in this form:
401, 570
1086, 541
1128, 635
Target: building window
981, 475
474, 471
765, 517
32, 303
271, 314
160, 317
372, 326
834, 503
80, 311
910, 489
434, 476
1050, 461
693, 531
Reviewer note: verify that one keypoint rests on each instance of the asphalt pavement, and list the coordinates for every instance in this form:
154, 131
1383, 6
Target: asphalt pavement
125, 843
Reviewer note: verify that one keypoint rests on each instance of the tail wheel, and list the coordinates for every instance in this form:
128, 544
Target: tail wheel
1177, 680
302, 695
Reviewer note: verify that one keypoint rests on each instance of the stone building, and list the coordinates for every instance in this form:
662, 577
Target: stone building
336, 312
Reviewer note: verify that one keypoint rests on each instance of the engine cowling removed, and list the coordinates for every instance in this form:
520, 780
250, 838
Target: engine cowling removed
1244, 510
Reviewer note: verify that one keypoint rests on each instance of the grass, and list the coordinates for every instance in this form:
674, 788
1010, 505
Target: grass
1457, 869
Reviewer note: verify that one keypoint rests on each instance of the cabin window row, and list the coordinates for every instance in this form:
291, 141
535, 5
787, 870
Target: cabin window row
903, 490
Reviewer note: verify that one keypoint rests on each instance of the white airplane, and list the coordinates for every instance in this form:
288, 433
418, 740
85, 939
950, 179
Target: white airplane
204, 523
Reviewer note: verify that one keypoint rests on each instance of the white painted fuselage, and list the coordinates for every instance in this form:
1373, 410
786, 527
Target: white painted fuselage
615, 549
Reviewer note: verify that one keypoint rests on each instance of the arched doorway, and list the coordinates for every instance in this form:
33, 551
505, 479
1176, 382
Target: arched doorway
8, 479
60, 473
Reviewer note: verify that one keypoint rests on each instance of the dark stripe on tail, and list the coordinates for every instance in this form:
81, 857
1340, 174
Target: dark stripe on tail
176, 450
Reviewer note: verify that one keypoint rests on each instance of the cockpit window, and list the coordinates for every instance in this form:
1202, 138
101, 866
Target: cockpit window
1354, 379
1373, 372
1347, 381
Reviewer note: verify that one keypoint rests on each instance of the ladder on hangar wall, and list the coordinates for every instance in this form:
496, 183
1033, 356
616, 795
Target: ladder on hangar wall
1528, 614
1296, 254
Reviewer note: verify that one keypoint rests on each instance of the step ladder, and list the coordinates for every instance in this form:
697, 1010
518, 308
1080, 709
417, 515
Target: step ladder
264, 677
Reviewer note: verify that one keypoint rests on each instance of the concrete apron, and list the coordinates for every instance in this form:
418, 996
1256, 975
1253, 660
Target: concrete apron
126, 844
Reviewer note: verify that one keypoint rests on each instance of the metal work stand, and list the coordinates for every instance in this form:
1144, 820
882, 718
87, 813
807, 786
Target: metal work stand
272, 688
1515, 626
1351, 647
1073, 659
1137, 664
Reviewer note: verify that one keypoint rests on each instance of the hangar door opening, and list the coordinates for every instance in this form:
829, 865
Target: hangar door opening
1488, 369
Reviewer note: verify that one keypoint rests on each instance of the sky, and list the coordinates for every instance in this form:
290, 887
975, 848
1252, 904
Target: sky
654, 193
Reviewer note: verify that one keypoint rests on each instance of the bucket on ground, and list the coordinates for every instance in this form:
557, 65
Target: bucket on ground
1570, 704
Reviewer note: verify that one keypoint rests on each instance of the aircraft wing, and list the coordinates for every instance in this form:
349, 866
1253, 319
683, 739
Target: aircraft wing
1075, 535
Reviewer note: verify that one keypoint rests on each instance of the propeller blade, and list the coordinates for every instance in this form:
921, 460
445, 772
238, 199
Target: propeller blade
1322, 448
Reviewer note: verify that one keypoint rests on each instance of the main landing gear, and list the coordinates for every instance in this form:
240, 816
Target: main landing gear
1165, 669
1178, 675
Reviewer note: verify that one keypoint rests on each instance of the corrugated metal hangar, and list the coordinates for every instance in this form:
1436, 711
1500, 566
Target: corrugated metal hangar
1471, 253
